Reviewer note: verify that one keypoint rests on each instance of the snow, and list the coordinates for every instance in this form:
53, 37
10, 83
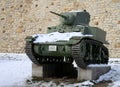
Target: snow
97, 65
15, 69
56, 36
114, 74
62, 84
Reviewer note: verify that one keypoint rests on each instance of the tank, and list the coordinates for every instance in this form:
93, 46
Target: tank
74, 40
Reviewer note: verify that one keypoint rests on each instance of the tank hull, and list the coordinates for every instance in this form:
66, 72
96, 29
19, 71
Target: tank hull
52, 50
85, 51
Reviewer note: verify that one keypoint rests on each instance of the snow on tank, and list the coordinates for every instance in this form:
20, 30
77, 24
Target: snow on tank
57, 36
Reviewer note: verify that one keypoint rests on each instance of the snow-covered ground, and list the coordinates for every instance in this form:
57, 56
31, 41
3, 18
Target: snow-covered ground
15, 69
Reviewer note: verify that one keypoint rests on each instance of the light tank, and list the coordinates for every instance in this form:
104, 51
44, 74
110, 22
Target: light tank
85, 44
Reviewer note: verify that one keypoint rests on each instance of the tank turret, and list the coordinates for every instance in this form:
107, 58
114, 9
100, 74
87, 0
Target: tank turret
65, 18
73, 18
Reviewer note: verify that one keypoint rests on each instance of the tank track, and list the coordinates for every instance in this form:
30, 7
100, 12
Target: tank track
29, 52
43, 60
76, 55
89, 51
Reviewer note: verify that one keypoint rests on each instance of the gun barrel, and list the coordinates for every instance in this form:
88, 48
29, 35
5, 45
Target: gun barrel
58, 14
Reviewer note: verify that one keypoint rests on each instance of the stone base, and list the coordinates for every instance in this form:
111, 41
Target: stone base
37, 71
92, 72
67, 70
54, 70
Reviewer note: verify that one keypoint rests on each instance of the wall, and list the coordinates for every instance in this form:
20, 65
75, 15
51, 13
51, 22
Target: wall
20, 18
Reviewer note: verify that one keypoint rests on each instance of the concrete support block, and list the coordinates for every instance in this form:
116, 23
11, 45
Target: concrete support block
37, 71
92, 72
54, 70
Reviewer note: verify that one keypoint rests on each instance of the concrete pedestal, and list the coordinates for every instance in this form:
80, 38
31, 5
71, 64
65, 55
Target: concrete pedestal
54, 70
37, 71
92, 72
